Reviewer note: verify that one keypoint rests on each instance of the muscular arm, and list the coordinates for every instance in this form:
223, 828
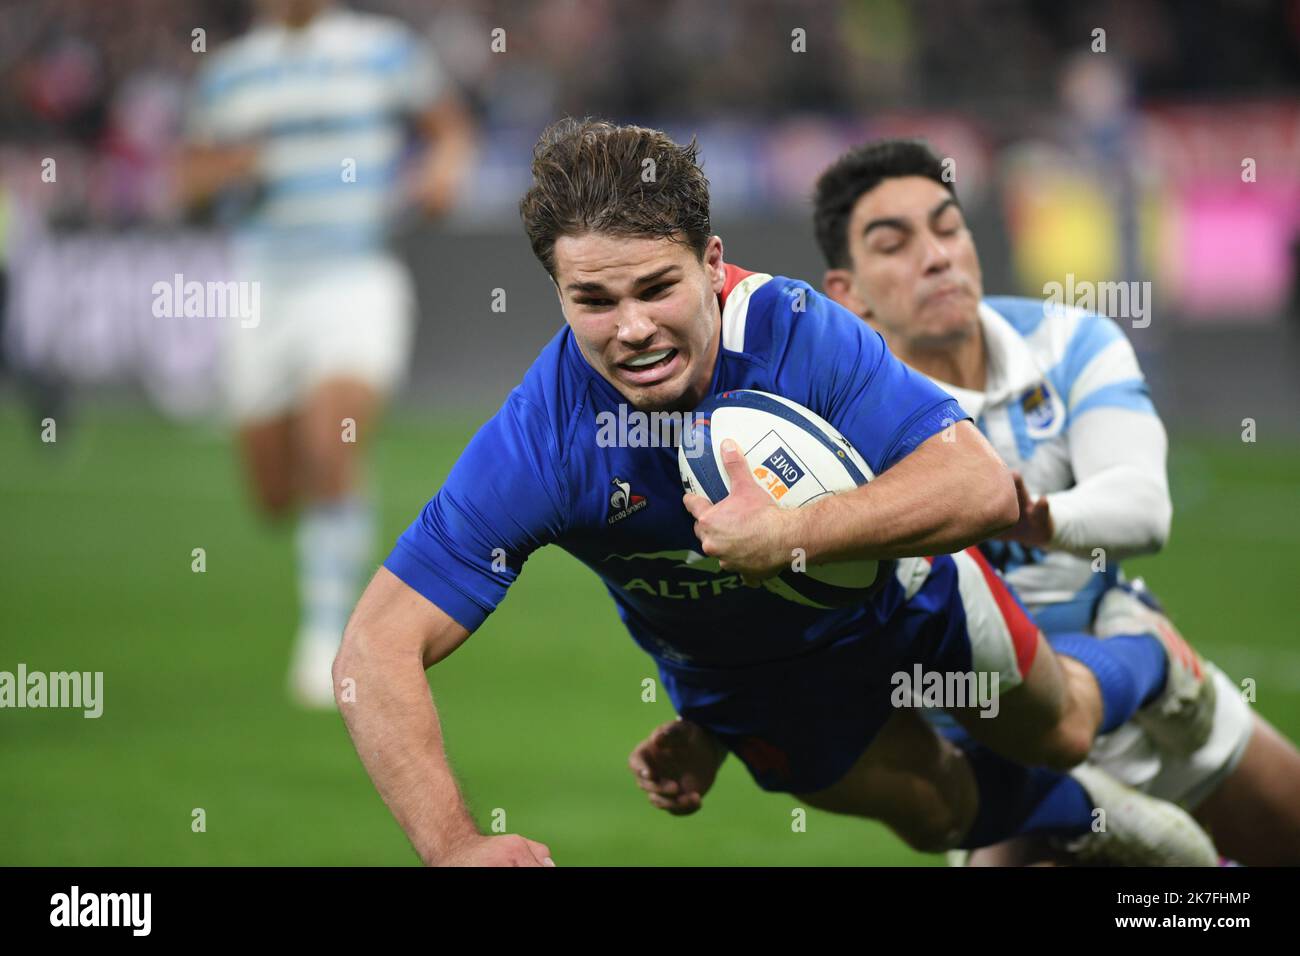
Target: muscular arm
941, 498
1120, 500
944, 496
393, 636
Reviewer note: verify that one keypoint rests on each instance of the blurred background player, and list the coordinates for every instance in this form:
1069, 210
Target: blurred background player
301, 132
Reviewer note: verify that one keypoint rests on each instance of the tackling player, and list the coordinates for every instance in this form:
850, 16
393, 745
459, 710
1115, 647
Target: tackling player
656, 321
299, 130
1060, 395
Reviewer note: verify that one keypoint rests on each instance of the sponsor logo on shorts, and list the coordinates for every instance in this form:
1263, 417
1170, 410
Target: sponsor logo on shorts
766, 759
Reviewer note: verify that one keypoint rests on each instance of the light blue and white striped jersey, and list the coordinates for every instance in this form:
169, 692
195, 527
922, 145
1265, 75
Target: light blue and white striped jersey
328, 105
1061, 381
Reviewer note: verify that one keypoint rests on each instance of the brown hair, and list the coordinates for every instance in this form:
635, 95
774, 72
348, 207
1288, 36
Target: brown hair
592, 176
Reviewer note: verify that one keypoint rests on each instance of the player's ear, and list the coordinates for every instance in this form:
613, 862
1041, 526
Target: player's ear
714, 265
838, 284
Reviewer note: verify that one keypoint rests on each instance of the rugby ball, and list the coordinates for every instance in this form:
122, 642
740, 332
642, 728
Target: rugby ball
797, 457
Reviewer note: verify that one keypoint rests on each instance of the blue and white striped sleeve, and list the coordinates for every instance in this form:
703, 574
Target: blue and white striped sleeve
216, 114
416, 77
1100, 370
1117, 444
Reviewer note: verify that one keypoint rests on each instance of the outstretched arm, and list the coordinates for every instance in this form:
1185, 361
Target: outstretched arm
1120, 500
394, 635
952, 492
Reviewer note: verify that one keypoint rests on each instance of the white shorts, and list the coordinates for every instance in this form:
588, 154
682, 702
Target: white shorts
1129, 755
350, 318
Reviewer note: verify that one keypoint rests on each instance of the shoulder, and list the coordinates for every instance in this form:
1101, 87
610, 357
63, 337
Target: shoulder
1061, 336
766, 315
383, 41
1022, 314
238, 61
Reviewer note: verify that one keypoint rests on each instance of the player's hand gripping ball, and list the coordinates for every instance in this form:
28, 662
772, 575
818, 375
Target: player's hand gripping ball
794, 457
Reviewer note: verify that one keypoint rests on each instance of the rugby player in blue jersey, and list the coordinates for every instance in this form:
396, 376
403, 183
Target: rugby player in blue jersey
657, 321
1061, 397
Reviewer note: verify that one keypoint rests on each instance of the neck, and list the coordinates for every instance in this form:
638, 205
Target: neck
715, 354
964, 364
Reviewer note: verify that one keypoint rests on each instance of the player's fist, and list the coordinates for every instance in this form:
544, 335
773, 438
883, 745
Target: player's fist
508, 849
1035, 527
746, 531
676, 765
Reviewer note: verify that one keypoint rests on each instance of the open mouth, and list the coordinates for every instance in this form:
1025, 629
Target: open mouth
649, 361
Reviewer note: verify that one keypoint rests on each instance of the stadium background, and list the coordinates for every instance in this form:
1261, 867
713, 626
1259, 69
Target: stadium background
1125, 164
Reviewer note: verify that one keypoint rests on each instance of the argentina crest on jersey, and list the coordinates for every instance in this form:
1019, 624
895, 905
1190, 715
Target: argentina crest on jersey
1043, 410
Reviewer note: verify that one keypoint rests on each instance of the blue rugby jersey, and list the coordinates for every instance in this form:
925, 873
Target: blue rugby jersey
535, 474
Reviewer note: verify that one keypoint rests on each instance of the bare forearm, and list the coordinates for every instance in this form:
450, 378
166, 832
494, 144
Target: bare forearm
450, 153
446, 160
395, 729
202, 173
940, 499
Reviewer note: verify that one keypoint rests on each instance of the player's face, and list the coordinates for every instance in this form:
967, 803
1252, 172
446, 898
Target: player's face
915, 273
644, 313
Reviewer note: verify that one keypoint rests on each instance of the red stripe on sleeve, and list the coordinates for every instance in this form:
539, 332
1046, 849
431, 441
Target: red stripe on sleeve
735, 276
1024, 632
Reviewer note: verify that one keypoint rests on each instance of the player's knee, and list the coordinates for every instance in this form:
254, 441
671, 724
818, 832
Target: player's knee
936, 832
327, 469
926, 823
275, 502
1067, 745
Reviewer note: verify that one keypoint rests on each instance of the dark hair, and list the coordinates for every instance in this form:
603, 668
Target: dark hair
590, 175
854, 175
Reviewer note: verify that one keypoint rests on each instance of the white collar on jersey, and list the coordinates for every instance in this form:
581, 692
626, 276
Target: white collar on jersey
1011, 368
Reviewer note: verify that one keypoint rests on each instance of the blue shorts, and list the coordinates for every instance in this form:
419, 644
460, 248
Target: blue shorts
800, 724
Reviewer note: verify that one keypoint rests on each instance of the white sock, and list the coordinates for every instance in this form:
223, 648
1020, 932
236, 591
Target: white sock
334, 541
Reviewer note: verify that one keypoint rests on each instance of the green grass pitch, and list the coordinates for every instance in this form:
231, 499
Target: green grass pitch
540, 707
